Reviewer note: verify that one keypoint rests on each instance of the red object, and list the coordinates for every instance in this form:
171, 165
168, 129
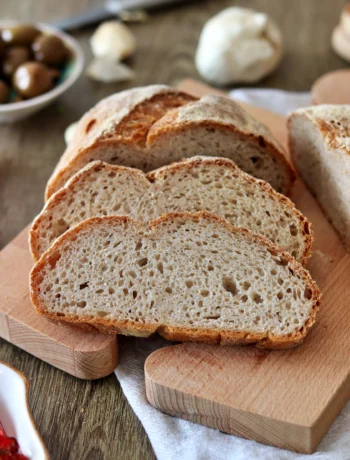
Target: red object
9, 447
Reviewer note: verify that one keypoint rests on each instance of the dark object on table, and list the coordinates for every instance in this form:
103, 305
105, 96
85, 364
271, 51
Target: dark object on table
109, 10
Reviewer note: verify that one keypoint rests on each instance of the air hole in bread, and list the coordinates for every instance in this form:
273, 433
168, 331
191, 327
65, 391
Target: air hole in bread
212, 317
246, 285
81, 304
160, 267
293, 230
204, 292
257, 298
280, 295
101, 313
142, 262
84, 285
229, 285
189, 284
168, 290
307, 293
134, 294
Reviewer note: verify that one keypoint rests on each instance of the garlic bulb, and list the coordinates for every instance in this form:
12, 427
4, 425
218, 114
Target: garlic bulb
238, 45
113, 40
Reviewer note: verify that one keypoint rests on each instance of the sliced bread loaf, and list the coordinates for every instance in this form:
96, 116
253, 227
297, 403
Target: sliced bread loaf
319, 140
153, 126
196, 184
186, 276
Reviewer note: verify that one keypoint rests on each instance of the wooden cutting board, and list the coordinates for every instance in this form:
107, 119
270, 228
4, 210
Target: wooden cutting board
285, 398
84, 355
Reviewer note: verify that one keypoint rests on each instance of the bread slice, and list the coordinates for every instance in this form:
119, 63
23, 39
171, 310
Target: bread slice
186, 276
319, 140
199, 183
149, 127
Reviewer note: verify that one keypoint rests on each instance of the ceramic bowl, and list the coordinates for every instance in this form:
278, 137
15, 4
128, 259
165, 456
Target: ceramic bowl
15, 415
19, 110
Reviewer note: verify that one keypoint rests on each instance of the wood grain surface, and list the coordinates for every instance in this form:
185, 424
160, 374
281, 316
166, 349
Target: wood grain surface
92, 420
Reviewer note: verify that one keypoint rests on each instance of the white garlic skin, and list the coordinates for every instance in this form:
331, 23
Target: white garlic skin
109, 71
113, 40
238, 45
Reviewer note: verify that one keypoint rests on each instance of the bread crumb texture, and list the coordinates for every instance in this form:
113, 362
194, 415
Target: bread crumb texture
201, 183
187, 276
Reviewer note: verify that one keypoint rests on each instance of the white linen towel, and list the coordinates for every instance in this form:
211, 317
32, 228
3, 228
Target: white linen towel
176, 439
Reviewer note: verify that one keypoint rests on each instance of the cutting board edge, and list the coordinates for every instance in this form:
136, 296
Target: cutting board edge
308, 437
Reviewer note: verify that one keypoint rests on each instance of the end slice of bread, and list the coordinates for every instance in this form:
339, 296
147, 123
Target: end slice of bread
186, 276
200, 183
153, 126
319, 140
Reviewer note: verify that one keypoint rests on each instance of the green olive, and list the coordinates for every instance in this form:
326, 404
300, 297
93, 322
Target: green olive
49, 50
14, 57
4, 92
32, 79
19, 35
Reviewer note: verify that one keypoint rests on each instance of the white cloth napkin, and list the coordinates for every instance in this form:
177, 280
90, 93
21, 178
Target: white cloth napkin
176, 439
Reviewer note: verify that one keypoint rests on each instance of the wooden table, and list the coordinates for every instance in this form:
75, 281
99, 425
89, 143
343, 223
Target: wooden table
92, 420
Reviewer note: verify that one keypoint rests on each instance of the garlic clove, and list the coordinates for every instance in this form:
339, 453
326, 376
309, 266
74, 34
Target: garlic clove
108, 71
113, 40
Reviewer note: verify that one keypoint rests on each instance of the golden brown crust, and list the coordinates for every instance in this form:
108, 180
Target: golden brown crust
178, 333
98, 128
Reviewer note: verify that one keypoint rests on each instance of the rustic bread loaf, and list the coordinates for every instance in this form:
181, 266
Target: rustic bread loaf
196, 184
319, 140
186, 276
153, 126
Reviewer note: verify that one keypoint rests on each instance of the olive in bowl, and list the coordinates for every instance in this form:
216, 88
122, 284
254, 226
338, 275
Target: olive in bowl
19, 34
32, 79
48, 63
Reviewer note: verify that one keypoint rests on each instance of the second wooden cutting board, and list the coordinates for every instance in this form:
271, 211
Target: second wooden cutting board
285, 398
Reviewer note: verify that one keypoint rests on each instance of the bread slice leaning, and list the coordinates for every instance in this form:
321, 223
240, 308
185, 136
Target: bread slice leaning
199, 183
153, 126
319, 140
186, 276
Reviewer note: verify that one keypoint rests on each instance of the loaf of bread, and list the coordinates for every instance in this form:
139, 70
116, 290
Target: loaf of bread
319, 140
149, 127
196, 184
186, 276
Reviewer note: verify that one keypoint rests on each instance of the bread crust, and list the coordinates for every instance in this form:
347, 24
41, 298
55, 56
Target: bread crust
324, 120
99, 128
104, 326
153, 176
